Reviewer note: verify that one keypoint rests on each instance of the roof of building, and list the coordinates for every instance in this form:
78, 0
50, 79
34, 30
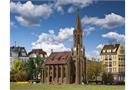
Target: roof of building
58, 57
17, 51
37, 51
109, 49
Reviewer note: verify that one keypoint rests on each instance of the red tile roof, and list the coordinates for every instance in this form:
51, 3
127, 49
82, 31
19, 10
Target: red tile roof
58, 58
37, 51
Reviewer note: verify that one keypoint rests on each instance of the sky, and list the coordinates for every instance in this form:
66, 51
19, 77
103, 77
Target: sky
49, 24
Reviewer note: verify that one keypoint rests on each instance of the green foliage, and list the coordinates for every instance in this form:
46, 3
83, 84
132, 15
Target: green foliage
18, 72
18, 65
34, 66
107, 78
94, 69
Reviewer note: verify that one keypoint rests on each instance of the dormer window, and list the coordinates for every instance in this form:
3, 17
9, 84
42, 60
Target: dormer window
74, 49
103, 51
114, 50
109, 50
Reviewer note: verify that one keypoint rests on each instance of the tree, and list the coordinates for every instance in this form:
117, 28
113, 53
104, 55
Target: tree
107, 78
110, 78
94, 69
18, 72
34, 67
104, 78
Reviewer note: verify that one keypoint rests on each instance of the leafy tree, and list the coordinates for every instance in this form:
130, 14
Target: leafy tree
18, 72
104, 78
34, 67
110, 78
107, 78
94, 69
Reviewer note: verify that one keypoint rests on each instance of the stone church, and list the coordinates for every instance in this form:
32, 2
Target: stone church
69, 66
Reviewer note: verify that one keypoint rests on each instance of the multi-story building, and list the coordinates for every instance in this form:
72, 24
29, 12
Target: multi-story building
113, 57
17, 53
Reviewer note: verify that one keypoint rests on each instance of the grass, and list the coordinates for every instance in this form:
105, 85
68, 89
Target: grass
15, 86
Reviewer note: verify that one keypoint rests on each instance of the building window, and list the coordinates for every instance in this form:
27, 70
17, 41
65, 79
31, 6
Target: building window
109, 50
64, 72
106, 58
54, 71
106, 64
119, 58
59, 71
46, 73
122, 51
114, 69
110, 64
114, 63
110, 57
103, 51
114, 50
110, 69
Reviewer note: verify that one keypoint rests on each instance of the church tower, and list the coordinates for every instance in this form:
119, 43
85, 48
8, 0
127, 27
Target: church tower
78, 52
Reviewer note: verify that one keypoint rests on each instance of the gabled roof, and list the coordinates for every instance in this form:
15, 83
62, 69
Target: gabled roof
58, 58
110, 49
37, 51
17, 52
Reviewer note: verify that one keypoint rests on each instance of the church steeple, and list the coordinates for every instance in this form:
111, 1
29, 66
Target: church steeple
78, 22
78, 52
78, 43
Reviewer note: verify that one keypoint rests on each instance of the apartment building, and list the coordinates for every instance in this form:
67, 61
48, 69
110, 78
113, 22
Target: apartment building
113, 57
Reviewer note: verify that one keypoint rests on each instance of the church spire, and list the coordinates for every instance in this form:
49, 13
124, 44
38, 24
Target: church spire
78, 22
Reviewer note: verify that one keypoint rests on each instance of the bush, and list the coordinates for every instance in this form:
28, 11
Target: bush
107, 78
18, 72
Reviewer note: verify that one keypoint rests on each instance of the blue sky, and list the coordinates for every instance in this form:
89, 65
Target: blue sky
49, 25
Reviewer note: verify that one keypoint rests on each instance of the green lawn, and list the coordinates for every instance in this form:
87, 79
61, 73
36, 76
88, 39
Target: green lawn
64, 87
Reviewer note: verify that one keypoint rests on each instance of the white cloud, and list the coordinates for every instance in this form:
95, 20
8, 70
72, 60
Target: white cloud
73, 4
80, 3
71, 9
116, 36
100, 46
88, 30
29, 22
29, 11
60, 9
51, 40
110, 21
92, 54
51, 31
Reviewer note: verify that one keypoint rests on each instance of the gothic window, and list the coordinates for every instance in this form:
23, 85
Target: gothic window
46, 72
59, 71
54, 71
78, 40
64, 72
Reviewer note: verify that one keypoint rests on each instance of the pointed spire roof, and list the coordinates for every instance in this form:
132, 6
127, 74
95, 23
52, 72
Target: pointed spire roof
78, 21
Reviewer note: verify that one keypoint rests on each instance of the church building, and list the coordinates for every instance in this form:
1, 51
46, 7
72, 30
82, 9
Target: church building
67, 67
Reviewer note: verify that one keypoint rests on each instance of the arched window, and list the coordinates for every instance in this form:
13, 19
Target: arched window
54, 71
59, 71
64, 72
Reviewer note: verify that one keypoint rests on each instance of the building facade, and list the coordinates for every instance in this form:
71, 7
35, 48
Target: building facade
17, 53
113, 57
37, 52
67, 67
